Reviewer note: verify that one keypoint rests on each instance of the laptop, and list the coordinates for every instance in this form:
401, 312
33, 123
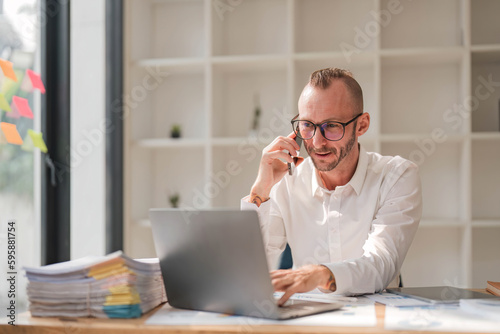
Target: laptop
440, 294
214, 260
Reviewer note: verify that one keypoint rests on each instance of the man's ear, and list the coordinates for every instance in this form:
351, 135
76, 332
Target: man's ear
362, 124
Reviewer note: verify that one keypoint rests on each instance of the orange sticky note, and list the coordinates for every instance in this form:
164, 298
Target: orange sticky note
36, 81
22, 106
11, 134
7, 69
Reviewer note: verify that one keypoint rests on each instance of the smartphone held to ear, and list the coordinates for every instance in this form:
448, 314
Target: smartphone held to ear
291, 166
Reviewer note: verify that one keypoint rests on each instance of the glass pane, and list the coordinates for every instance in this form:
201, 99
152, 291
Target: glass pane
19, 165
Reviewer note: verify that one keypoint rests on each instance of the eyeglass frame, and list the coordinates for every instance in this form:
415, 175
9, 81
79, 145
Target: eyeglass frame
321, 130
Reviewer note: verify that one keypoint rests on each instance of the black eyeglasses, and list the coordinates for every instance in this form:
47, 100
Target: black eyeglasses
331, 130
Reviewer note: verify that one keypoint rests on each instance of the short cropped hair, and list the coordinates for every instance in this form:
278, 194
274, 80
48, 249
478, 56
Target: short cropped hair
324, 78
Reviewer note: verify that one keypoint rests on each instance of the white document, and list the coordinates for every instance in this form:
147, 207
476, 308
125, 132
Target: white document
318, 296
442, 318
392, 299
485, 308
358, 314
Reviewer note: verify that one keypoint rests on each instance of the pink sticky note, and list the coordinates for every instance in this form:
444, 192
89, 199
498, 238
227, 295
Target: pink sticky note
36, 80
26, 84
22, 106
7, 69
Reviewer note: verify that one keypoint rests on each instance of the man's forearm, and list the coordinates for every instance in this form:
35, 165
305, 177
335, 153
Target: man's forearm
329, 279
258, 195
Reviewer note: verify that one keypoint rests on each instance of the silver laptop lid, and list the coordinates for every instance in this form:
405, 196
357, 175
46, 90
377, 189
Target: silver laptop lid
213, 260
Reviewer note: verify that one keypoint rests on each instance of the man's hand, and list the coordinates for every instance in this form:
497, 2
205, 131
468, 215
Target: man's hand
272, 168
304, 279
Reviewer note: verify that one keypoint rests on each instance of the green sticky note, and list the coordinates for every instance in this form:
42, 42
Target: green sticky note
27, 143
4, 105
37, 138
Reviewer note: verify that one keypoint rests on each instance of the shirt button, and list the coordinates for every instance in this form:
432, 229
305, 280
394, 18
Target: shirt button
335, 214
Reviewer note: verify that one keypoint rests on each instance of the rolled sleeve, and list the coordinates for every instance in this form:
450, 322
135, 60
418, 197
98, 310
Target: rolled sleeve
272, 228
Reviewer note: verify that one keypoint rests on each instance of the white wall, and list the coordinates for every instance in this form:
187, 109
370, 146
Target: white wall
87, 135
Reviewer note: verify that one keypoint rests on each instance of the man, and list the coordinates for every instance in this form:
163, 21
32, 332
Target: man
348, 215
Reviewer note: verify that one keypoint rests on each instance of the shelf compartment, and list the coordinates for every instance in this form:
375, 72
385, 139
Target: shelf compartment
166, 29
178, 99
144, 248
363, 72
238, 92
170, 143
486, 49
141, 183
441, 173
444, 246
486, 223
423, 55
250, 63
240, 141
250, 27
234, 171
485, 180
166, 168
177, 29
365, 58
485, 26
424, 23
485, 261
336, 25
419, 137
485, 93
486, 136
420, 98
173, 65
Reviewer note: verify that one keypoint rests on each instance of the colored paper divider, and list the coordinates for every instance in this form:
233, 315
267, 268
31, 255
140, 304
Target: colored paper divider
123, 311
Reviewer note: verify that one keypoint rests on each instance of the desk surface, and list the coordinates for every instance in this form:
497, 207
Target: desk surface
34, 325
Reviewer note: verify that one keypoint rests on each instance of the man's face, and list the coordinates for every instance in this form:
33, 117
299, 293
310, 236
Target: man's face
332, 104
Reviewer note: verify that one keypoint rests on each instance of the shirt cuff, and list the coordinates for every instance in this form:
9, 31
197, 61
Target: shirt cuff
343, 277
263, 209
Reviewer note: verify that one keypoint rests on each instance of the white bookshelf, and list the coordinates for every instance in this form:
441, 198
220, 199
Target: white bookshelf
419, 72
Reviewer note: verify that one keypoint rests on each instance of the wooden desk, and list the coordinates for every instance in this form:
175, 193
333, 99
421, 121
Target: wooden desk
34, 325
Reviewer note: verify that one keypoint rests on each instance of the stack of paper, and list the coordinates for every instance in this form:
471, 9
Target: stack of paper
111, 286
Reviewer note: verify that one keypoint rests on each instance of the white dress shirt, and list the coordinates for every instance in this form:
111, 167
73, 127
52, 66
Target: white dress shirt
361, 231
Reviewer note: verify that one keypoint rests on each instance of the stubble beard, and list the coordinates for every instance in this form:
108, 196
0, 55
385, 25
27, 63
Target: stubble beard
344, 151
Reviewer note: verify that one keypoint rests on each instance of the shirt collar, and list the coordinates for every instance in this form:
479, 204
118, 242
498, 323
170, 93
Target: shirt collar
356, 181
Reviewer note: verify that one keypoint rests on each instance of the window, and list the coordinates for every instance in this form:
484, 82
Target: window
19, 165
